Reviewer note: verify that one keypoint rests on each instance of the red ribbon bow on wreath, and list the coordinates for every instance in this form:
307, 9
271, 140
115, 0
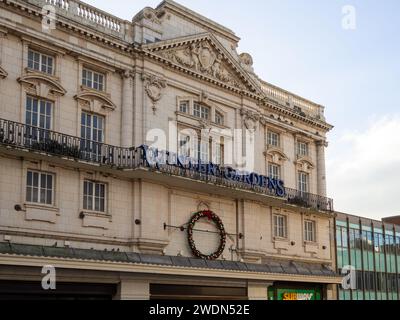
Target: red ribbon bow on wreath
208, 214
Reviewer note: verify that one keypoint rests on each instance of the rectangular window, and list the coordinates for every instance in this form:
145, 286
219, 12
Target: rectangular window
94, 196
273, 139
184, 145
309, 231
39, 187
204, 151
302, 149
274, 171
93, 79
200, 111
40, 62
38, 113
218, 153
280, 226
38, 117
92, 134
184, 106
303, 181
219, 118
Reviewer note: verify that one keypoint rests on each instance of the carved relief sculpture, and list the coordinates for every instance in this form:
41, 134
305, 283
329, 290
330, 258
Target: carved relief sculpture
203, 58
154, 87
250, 119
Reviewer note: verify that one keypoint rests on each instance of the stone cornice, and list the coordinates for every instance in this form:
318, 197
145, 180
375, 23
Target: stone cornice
60, 47
68, 24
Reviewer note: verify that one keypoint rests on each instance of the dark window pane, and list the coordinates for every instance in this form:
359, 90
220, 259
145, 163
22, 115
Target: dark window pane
49, 197
28, 194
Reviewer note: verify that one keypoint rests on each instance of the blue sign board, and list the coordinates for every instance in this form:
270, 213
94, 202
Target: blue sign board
155, 158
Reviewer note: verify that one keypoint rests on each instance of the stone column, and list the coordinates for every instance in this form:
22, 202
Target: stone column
127, 110
331, 292
133, 290
321, 171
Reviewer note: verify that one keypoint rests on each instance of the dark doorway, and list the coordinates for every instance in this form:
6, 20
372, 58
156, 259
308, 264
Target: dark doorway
178, 292
19, 290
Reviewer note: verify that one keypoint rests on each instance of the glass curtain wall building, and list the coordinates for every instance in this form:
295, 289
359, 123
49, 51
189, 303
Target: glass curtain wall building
372, 248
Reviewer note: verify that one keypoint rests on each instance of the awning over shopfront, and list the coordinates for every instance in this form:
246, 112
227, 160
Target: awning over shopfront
70, 258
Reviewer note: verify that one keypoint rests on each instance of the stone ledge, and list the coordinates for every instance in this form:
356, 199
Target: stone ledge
41, 213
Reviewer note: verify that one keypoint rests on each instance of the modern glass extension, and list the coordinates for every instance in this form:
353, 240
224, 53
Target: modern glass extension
373, 249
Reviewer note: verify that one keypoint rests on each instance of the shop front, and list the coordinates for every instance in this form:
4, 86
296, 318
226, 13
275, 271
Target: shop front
298, 292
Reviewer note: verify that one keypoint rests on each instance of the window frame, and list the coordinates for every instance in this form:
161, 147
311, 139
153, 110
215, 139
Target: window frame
184, 144
279, 168
85, 197
39, 113
270, 139
307, 232
303, 152
40, 188
40, 62
187, 106
91, 143
201, 112
300, 182
84, 81
277, 227
219, 118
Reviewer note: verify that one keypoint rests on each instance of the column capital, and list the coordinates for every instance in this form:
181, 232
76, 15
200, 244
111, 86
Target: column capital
322, 143
127, 74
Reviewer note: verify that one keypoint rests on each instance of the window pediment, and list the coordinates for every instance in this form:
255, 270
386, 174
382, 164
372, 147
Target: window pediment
276, 155
3, 73
42, 85
95, 100
305, 163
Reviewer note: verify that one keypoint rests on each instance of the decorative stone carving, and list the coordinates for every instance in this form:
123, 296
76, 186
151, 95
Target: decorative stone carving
95, 100
127, 74
203, 205
3, 73
246, 59
154, 87
276, 155
42, 85
250, 119
150, 14
305, 164
203, 58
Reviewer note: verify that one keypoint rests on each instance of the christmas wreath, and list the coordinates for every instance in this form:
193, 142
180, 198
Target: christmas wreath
211, 216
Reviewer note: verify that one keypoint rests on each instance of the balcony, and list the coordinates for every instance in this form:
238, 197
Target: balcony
23, 137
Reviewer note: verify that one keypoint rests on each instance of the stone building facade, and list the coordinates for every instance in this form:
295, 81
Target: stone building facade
82, 91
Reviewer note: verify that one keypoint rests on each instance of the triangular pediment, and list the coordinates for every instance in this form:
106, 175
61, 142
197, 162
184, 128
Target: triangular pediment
204, 56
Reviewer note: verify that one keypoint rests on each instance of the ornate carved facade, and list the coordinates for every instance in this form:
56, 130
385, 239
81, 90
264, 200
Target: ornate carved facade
78, 101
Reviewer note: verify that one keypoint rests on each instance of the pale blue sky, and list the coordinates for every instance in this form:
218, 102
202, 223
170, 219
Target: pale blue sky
301, 46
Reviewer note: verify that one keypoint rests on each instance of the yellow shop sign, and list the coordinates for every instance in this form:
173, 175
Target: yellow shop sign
298, 296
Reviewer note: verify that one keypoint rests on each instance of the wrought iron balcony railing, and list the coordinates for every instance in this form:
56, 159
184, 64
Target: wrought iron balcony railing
25, 137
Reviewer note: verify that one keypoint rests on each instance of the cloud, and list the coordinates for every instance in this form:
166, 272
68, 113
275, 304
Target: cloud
364, 170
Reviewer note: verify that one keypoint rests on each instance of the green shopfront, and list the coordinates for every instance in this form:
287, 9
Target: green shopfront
287, 292
372, 248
